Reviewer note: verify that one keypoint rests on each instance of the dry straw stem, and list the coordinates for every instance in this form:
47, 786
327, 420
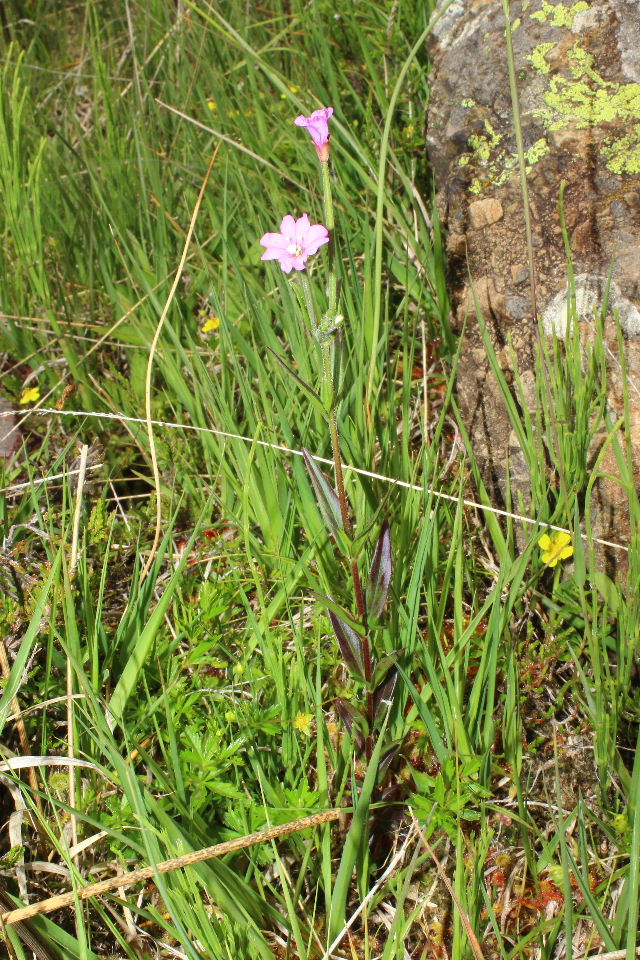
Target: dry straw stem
5, 667
71, 739
167, 866
613, 955
473, 940
152, 351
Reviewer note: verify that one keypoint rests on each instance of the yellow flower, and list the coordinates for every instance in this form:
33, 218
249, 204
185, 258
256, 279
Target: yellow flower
30, 395
213, 106
212, 323
555, 547
302, 722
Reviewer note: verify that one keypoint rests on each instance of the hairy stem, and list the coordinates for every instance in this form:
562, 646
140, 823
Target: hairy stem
330, 224
328, 349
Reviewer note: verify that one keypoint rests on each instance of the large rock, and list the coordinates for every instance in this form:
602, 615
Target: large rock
578, 75
9, 433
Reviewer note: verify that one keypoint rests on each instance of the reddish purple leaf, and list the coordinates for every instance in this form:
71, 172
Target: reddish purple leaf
350, 645
382, 667
386, 759
380, 574
352, 719
383, 694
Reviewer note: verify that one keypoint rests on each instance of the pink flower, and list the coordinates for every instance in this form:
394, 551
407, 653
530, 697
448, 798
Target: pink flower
318, 126
297, 240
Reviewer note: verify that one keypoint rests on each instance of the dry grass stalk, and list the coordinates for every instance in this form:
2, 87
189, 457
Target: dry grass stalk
122, 880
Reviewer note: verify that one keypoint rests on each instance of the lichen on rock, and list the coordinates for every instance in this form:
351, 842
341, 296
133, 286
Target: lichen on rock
584, 99
578, 76
559, 14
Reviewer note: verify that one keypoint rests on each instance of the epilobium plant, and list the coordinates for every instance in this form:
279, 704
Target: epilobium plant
375, 678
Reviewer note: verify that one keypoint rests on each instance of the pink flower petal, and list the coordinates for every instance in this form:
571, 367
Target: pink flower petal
275, 240
311, 248
288, 227
302, 226
317, 125
316, 236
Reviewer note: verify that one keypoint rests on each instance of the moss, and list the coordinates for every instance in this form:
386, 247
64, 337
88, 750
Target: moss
559, 14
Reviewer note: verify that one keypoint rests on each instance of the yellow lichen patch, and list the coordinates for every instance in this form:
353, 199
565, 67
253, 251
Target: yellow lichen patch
484, 153
586, 100
536, 152
482, 146
623, 155
538, 57
559, 14
496, 162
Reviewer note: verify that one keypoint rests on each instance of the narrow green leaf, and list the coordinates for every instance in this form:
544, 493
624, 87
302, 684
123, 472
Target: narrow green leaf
308, 390
339, 611
15, 677
353, 843
383, 666
126, 684
325, 495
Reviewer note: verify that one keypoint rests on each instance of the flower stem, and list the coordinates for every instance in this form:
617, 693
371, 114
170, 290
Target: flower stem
330, 224
327, 369
328, 200
308, 300
355, 574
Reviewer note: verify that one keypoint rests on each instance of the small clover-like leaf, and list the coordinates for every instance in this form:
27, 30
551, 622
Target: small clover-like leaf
380, 574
